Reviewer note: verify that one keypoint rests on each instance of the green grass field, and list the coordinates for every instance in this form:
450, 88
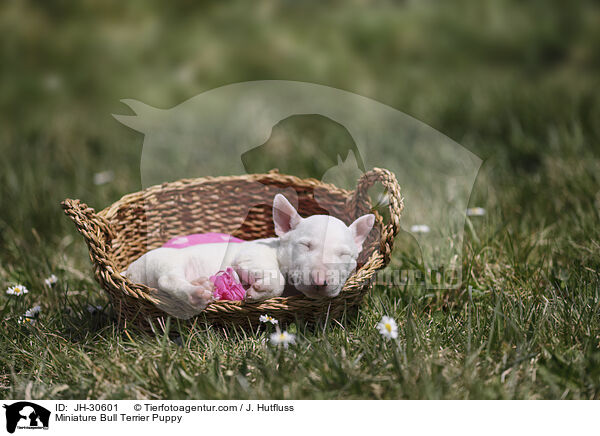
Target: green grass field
516, 83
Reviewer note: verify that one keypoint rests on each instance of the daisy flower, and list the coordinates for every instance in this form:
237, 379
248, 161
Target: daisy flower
420, 228
25, 320
51, 281
283, 338
30, 315
17, 290
268, 318
475, 211
33, 312
388, 328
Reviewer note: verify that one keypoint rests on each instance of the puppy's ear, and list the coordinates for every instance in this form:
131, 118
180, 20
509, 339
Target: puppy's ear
361, 228
285, 217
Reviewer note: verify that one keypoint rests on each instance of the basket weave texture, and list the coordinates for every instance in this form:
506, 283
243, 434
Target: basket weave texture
144, 220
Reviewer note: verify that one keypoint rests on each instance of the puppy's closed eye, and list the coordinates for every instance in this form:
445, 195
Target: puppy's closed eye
306, 244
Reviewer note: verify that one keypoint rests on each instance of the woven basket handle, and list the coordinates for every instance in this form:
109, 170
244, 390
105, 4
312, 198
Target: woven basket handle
360, 204
94, 228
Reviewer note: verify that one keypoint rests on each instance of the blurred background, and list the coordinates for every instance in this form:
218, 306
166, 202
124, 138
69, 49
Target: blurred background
514, 82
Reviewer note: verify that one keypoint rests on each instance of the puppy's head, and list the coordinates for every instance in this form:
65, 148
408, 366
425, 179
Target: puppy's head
317, 253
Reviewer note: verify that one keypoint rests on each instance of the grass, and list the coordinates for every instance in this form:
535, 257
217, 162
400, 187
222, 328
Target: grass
515, 83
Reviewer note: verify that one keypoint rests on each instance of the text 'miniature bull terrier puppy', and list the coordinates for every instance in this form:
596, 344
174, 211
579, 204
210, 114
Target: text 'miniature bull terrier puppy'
316, 255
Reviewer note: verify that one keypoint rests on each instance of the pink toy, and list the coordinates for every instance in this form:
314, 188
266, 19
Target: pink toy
227, 286
200, 238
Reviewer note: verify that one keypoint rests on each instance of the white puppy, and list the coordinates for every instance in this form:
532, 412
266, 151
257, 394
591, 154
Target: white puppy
316, 255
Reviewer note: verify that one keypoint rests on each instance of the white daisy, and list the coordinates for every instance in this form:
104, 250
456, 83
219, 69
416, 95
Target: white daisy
388, 328
30, 316
51, 281
283, 338
268, 318
475, 211
33, 312
25, 320
17, 290
420, 228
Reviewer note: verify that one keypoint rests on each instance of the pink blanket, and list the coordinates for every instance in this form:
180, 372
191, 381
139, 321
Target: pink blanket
199, 238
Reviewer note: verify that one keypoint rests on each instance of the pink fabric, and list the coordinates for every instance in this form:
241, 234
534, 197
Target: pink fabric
226, 286
200, 238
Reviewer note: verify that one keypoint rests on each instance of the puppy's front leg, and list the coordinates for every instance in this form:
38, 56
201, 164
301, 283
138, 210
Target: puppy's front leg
199, 293
258, 268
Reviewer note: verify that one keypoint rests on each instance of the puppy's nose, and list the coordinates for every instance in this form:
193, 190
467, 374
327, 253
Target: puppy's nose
319, 278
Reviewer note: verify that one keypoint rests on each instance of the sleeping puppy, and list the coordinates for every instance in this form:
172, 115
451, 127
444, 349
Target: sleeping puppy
316, 255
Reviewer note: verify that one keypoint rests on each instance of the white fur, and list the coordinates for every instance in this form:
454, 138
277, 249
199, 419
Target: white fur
316, 255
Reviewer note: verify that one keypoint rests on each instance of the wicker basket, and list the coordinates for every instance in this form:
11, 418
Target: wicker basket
144, 220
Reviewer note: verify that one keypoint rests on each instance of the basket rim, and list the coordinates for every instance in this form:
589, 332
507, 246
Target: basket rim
274, 175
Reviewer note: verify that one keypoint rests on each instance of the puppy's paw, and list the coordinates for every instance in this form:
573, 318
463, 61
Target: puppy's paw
203, 282
260, 291
202, 295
